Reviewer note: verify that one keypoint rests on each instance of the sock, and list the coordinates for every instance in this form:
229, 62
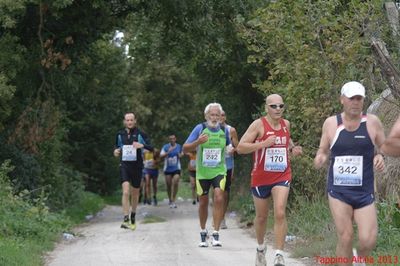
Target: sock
126, 218
203, 230
133, 217
278, 252
261, 247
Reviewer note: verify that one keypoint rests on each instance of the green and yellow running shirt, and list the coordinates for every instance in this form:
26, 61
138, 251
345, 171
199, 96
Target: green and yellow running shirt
210, 161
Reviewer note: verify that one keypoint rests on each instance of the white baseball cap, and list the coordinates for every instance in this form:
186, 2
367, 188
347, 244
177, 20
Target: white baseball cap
353, 88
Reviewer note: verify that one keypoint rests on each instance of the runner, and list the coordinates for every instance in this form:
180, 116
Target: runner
229, 161
391, 146
210, 140
151, 164
128, 144
268, 138
172, 152
348, 142
192, 175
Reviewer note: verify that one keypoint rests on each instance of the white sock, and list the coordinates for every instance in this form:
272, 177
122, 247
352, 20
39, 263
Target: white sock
203, 230
260, 247
278, 252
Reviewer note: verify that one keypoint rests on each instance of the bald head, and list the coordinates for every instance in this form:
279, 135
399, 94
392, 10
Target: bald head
273, 98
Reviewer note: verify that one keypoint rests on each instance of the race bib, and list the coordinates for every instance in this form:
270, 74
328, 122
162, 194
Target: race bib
348, 171
211, 157
192, 163
172, 161
275, 160
128, 153
149, 164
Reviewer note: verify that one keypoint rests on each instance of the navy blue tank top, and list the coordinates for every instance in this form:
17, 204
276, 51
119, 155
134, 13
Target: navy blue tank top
351, 166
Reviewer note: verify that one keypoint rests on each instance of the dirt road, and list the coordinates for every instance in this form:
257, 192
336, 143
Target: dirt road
173, 241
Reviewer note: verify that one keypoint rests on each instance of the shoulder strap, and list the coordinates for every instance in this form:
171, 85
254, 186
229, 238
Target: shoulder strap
339, 119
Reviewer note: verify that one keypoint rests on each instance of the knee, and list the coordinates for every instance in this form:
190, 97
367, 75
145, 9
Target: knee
218, 198
203, 201
125, 193
367, 242
261, 218
280, 215
346, 237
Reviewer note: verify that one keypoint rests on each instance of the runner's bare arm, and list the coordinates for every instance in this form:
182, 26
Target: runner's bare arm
247, 145
379, 138
234, 137
391, 146
323, 151
188, 147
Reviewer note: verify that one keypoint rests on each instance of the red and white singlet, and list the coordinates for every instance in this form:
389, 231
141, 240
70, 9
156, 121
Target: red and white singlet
271, 165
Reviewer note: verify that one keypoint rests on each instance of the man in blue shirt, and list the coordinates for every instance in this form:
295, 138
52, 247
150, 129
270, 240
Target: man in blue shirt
172, 152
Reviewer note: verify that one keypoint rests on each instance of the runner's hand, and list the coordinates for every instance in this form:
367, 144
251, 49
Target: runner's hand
117, 152
270, 141
320, 160
379, 162
202, 138
137, 145
297, 150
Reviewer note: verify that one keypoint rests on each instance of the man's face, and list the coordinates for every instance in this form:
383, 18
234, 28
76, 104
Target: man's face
353, 105
275, 107
130, 120
213, 116
172, 139
222, 118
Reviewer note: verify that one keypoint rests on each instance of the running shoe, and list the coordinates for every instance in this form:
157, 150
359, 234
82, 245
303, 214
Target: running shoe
223, 224
203, 237
132, 226
194, 202
279, 261
125, 224
260, 258
173, 205
215, 240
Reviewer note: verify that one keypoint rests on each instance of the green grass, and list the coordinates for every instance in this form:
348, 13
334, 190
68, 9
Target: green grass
311, 221
27, 231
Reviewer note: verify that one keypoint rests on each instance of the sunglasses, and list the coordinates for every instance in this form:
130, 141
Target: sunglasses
274, 106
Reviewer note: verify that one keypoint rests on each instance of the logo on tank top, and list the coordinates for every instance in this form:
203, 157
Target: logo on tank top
359, 137
280, 140
270, 133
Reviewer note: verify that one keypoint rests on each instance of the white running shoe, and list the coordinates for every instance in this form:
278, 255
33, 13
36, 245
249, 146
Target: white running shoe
203, 237
215, 240
260, 257
279, 261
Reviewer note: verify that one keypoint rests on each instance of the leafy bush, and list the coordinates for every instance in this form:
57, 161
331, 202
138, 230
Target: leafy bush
28, 227
388, 241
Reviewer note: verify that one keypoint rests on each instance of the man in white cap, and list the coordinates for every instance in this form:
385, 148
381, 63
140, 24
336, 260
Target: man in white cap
352, 139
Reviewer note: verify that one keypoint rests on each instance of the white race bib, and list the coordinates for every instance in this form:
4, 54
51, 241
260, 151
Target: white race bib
275, 160
128, 153
211, 157
172, 161
192, 163
149, 164
348, 171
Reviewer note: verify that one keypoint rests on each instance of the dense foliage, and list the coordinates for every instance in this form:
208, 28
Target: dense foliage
65, 85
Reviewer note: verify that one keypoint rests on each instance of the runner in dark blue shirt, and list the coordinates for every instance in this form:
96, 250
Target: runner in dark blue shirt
129, 143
